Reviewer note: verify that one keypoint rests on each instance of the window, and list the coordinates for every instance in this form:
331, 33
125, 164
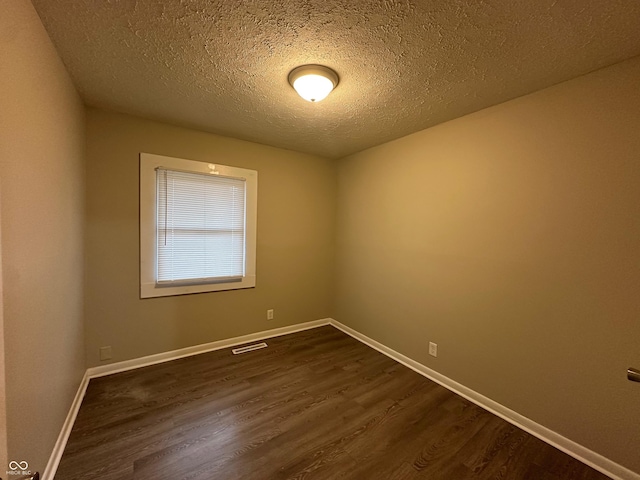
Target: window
197, 226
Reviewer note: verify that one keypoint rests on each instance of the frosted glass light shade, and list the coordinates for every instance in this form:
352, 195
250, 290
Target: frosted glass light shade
313, 87
313, 82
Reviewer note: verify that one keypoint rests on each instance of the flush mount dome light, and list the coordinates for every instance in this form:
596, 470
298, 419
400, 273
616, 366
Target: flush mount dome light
313, 82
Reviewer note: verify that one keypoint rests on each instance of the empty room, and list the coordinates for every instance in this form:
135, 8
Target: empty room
319, 239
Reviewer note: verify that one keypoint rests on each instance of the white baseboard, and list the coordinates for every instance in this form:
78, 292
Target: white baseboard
118, 367
585, 455
95, 372
61, 442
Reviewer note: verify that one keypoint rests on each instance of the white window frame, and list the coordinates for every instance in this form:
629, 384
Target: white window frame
148, 224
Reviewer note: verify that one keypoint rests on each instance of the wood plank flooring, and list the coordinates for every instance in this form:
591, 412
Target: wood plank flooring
313, 405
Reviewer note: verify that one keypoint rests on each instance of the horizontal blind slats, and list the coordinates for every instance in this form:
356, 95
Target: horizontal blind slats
200, 226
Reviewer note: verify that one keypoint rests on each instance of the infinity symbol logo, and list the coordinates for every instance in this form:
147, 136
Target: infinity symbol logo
13, 465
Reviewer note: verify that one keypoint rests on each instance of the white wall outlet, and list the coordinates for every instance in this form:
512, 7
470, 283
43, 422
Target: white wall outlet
433, 349
105, 353
270, 314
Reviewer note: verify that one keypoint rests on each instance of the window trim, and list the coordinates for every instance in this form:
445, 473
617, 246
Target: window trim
148, 225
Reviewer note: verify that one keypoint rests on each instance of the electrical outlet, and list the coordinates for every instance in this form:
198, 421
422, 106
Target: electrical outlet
433, 349
270, 314
105, 353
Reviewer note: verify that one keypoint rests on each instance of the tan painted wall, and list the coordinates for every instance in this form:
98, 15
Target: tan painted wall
41, 170
295, 251
511, 238
4, 459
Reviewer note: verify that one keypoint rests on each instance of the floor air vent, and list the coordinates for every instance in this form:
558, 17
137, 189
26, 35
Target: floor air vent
249, 348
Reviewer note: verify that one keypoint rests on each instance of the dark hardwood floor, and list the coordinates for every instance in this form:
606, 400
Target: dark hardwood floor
313, 405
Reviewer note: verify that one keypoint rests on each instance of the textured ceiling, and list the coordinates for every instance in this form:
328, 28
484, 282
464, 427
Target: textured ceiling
222, 66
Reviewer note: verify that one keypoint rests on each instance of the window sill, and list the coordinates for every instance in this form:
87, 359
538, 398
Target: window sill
151, 290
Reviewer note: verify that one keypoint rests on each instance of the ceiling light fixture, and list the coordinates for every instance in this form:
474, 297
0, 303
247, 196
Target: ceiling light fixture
313, 82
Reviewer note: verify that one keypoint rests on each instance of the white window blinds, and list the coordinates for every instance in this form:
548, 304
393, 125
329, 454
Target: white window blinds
200, 228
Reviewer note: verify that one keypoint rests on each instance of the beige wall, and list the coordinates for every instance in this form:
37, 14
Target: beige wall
41, 171
511, 238
295, 250
4, 459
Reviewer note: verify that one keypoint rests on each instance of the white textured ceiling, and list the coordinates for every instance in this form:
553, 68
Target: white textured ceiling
222, 66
